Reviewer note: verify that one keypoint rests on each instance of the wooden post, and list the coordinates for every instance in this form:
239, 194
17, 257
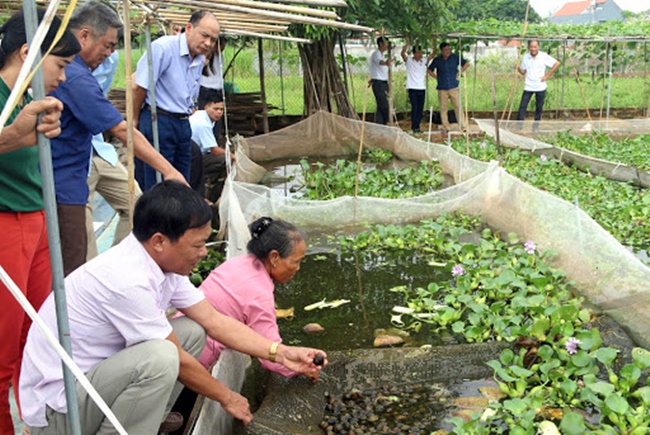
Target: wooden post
496, 120
265, 112
392, 118
128, 66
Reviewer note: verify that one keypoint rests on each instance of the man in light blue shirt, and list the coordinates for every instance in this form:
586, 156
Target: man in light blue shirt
107, 175
177, 64
208, 159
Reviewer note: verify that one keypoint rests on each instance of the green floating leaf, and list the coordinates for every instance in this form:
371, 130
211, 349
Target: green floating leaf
506, 356
617, 403
540, 328
641, 356
516, 406
631, 372
520, 371
606, 355
581, 359
573, 423
602, 388
545, 352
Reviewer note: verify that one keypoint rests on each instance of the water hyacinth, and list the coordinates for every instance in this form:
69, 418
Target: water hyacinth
530, 247
543, 157
571, 345
483, 144
458, 270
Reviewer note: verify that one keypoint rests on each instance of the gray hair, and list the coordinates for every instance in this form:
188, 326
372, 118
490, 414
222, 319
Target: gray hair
97, 17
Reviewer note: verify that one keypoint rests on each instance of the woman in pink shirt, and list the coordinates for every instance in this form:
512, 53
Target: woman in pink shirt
243, 286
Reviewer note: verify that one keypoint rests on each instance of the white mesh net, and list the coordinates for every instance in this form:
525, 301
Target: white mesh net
512, 135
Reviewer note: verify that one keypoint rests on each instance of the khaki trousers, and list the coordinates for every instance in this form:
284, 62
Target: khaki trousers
139, 384
112, 183
443, 99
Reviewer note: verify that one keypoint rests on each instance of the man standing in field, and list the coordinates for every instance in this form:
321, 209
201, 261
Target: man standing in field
533, 66
446, 69
379, 79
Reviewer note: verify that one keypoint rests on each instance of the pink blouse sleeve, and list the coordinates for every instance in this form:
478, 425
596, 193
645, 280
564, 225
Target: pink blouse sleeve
260, 316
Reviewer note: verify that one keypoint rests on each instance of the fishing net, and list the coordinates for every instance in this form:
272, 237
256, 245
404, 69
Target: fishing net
529, 136
610, 278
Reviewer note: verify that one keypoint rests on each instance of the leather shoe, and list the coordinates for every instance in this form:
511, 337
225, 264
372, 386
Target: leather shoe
172, 422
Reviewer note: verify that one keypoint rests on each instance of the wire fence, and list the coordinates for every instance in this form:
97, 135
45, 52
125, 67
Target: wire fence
590, 88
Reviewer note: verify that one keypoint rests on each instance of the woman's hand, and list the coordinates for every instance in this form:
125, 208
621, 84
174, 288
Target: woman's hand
300, 359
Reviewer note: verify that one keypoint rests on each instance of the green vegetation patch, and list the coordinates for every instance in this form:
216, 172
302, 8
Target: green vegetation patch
621, 209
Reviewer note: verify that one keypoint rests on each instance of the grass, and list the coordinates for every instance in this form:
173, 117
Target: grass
626, 91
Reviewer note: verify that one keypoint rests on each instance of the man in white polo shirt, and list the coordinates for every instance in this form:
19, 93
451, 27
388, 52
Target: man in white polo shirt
533, 66
416, 85
379, 79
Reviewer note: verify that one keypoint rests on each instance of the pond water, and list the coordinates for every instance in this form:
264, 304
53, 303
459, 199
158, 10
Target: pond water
365, 282
641, 252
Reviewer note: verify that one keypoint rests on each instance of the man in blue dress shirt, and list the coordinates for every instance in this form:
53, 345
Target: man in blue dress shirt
446, 68
177, 64
88, 112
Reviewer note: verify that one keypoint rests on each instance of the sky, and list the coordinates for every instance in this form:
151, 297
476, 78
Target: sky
546, 7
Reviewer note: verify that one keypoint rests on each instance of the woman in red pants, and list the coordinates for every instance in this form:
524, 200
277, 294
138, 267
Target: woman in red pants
24, 253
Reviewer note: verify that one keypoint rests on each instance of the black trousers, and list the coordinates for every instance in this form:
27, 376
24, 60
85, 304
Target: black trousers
197, 177
417, 107
539, 104
380, 89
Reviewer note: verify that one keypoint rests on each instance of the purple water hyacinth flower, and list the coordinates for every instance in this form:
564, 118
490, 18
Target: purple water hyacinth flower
483, 144
530, 247
543, 157
571, 345
458, 270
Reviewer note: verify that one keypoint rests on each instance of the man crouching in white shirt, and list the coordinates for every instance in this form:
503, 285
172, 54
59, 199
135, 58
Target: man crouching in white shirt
133, 355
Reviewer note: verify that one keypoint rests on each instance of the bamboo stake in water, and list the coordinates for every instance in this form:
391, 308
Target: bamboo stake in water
510, 102
496, 119
430, 123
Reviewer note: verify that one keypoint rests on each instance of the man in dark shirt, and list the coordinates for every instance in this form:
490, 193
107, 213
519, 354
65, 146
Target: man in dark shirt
446, 68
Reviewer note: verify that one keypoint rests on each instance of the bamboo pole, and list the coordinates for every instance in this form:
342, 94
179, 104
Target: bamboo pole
210, 6
363, 131
466, 117
128, 66
392, 116
52, 220
152, 98
584, 99
267, 36
602, 91
326, 3
321, 13
514, 76
265, 111
496, 120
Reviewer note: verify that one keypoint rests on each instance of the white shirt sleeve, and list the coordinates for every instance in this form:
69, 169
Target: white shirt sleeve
549, 60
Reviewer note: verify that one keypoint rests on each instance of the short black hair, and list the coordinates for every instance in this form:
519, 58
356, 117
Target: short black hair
97, 17
382, 39
417, 48
268, 235
198, 16
533, 40
213, 97
169, 208
443, 45
13, 36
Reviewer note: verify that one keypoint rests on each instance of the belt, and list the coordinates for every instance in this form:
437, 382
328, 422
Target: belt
381, 81
160, 111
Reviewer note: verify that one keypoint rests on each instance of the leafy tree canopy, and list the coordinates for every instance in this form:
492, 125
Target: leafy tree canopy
416, 18
502, 10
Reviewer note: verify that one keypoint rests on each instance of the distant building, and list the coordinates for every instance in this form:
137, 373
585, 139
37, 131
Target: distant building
587, 12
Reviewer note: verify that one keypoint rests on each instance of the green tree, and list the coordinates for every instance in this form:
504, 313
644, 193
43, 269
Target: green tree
502, 10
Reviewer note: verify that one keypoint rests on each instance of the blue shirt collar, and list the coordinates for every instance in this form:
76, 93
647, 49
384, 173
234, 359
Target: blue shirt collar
184, 48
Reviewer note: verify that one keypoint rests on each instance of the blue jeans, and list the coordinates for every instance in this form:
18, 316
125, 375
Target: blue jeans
417, 107
175, 136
